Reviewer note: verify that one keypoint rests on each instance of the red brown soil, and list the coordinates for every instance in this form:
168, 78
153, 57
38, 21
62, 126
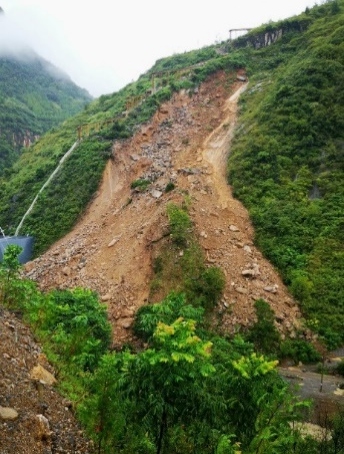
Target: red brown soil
110, 249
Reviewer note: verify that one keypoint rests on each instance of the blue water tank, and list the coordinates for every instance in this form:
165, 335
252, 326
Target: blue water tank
26, 242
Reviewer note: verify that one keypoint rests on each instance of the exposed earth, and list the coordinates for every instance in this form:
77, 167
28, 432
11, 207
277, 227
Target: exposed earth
112, 248
34, 417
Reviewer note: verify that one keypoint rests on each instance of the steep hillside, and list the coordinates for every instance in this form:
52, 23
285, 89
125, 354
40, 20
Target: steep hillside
34, 417
113, 248
285, 165
34, 97
109, 118
142, 208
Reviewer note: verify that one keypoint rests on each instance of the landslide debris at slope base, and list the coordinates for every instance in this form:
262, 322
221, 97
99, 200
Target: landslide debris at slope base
34, 417
110, 249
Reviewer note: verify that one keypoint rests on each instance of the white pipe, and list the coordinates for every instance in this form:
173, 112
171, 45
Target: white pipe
64, 157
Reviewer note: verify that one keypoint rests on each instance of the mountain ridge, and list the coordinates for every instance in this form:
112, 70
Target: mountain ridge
34, 97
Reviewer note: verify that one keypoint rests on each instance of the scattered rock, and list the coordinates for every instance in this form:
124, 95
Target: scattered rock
271, 289
156, 194
67, 403
113, 242
189, 171
43, 432
106, 297
314, 431
66, 271
339, 392
163, 109
234, 228
241, 290
192, 179
40, 374
42, 359
8, 414
127, 313
22, 400
126, 323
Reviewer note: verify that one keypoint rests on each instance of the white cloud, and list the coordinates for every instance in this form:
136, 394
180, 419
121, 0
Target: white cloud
107, 44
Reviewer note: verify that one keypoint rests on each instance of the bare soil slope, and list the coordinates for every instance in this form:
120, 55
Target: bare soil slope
110, 250
34, 418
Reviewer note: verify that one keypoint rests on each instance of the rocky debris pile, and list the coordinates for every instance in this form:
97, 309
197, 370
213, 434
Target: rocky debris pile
110, 250
34, 417
249, 276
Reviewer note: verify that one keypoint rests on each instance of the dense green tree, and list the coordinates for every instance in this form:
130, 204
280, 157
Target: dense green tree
76, 324
164, 382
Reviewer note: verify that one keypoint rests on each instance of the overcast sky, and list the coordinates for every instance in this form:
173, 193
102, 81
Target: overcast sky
105, 44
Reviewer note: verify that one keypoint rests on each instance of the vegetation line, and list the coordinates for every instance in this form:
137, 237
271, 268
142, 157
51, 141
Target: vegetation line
64, 157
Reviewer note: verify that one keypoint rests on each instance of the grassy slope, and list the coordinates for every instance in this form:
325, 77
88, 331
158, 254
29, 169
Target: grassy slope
34, 97
287, 163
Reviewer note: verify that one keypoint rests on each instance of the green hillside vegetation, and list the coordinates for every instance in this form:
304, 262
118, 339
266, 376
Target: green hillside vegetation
287, 163
187, 391
181, 387
34, 97
187, 272
103, 121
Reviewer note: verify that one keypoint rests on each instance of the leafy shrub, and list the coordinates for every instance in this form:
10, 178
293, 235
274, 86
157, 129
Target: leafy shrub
340, 368
299, 350
140, 185
168, 310
157, 265
185, 271
301, 287
331, 336
208, 287
9, 273
264, 333
76, 325
170, 186
180, 225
